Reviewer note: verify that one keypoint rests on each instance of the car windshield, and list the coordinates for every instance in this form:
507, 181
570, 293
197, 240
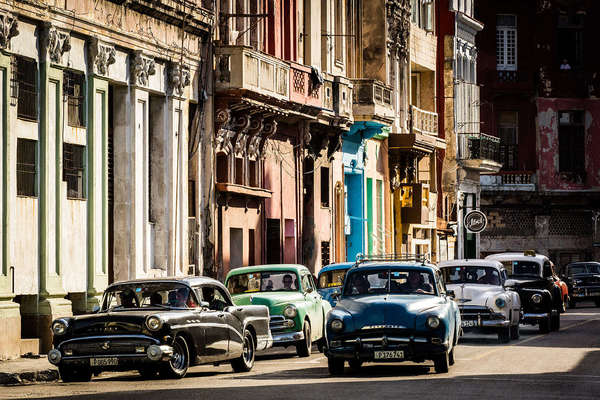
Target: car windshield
584, 269
471, 274
148, 295
266, 281
383, 281
525, 268
333, 278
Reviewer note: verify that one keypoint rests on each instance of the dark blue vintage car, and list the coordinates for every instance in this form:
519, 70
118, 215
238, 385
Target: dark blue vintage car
391, 311
331, 279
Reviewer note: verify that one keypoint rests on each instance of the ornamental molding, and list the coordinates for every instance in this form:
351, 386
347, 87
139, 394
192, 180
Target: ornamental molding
56, 43
398, 21
142, 68
101, 56
179, 78
9, 28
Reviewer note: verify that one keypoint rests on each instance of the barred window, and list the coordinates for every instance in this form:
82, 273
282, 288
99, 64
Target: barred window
74, 90
26, 71
26, 167
506, 43
73, 170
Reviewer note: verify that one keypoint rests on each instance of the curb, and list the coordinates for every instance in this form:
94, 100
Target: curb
22, 378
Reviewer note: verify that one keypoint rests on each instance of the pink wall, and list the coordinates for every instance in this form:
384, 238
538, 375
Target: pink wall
548, 149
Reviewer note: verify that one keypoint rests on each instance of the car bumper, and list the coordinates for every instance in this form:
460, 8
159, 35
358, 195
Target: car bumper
485, 324
280, 339
584, 293
111, 361
413, 351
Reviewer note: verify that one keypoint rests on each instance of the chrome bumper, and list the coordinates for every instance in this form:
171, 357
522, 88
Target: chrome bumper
499, 323
287, 337
535, 316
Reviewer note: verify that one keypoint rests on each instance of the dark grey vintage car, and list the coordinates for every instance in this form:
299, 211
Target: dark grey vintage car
160, 326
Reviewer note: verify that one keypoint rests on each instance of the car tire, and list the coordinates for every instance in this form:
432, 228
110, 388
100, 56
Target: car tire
515, 332
177, 366
555, 322
303, 347
245, 362
75, 374
441, 363
335, 366
451, 357
544, 325
504, 335
321, 345
148, 372
355, 364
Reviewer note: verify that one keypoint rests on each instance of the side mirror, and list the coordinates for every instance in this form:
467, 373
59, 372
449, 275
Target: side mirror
309, 289
336, 295
451, 294
204, 304
95, 309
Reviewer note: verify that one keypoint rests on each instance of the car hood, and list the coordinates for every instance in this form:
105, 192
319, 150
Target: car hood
269, 299
587, 278
392, 310
114, 322
475, 294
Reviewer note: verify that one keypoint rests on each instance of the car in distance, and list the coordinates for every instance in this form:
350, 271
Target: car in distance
331, 279
297, 310
583, 281
532, 276
391, 311
485, 303
160, 326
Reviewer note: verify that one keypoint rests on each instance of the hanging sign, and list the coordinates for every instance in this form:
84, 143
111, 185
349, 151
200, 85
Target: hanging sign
475, 221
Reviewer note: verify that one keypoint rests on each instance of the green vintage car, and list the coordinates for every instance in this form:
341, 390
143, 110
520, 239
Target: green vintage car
296, 309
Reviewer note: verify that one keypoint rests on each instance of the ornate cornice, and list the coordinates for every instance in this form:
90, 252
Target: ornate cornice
179, 78
142, 67
100, 56
8, 29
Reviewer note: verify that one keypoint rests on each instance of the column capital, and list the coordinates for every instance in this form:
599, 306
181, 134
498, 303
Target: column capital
142, 67
179, 78
9, 28
55, 43
101, 56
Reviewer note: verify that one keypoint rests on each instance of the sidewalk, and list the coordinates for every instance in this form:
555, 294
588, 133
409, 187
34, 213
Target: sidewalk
27, 370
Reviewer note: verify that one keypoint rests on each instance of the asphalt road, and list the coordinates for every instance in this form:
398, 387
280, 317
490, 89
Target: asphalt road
564, 364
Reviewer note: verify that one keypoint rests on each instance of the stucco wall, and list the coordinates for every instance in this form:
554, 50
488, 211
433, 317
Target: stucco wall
26, 244
73, 244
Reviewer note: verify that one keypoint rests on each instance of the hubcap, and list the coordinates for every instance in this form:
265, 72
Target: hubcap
248, 351
178, 359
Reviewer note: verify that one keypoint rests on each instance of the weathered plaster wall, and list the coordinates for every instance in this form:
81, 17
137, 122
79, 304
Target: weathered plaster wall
26, 245
73, 243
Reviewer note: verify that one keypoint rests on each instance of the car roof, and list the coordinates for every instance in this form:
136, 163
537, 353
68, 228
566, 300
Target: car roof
186, 280
335, 267
268, 267
472, 262
583, 263
372, 265
517, 256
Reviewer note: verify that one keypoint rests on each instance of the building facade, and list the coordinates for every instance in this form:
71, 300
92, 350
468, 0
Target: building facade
539, 68
98, 103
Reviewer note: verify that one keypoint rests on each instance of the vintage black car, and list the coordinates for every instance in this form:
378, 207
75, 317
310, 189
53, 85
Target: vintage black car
160, 326
531, 275
583, 280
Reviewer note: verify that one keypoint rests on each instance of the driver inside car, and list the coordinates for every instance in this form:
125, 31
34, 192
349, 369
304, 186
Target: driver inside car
416, 284
208, 294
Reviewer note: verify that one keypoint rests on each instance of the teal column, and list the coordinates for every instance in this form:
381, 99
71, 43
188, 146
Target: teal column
370, 215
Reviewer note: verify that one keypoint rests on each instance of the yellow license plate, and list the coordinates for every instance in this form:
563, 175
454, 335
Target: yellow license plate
104, 362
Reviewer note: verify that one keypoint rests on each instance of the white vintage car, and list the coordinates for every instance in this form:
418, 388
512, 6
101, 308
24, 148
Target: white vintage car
485, 303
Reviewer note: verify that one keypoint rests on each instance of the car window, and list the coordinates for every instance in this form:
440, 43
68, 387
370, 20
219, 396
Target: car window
216, 299
440, 283
383, 281
472, 274
265, 281
307, 283
149, 294
333, 278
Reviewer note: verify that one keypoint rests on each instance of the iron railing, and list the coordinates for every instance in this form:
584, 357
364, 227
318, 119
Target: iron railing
478, 146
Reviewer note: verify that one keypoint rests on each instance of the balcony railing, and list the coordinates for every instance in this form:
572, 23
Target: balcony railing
423, 122
342, 95
240, 67
478, 146
372, 99
509, 181
303, 87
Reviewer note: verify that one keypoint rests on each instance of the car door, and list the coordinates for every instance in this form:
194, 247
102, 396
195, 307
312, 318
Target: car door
216, 329
313, 300
233, 324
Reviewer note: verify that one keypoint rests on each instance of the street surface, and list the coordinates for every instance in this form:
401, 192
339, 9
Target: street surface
562, 364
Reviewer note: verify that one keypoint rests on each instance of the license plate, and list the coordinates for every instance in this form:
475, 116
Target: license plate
468, 324
104, 362
389, 355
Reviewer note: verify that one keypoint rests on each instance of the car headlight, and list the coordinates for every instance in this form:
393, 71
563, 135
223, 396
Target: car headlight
59, 327
337, 325
433, 322
154, 323
536, 298
290, 311
500, 302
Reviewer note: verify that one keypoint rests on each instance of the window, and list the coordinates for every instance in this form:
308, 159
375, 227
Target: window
324, 187
415, 86
252, 173
324, 253
239, 171
27, 88
222, 170
506, 43
508, 133
74, 90
422, 14
26, 167
73, 170
570, 37
191, 198
251, 244
338, 29
571, 141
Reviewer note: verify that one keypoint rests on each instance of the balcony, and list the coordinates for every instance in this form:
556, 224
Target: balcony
304, 88
509, 181
241, 68
478, 151
566, 84
342, 95
416, 203
372, 101
423, 122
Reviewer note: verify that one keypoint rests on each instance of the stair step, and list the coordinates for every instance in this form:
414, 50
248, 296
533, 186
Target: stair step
30, 346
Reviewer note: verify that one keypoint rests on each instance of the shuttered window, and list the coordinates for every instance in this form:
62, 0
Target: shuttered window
506, 43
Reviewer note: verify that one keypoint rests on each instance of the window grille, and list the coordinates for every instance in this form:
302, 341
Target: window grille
73, 89
26, 89
26, 167
73, 170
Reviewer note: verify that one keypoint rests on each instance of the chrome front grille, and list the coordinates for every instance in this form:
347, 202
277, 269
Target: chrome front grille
470, 313
382, 337
106, 345
280, 323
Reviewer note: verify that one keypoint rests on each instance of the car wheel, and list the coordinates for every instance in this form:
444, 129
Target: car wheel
177, 366
514, 332
355, 364
75, 374
544, 325
148, 372
335, 365
555, 322
451, 356
321, 345
303, 347
245, 362
504, 335
441, 362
